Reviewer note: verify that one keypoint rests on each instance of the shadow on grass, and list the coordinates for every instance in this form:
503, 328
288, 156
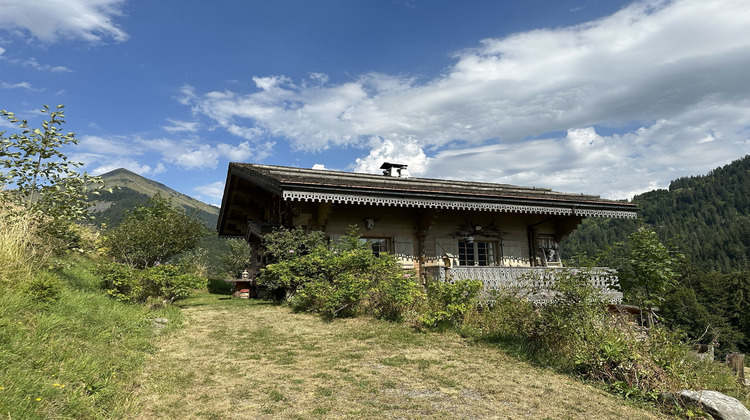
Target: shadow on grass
219, 287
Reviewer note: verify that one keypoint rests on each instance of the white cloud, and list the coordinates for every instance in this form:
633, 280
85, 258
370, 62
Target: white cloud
388, 151
179, 125
615, 166
34, 64
213, 191
115, 145
676, 69
51, 20
133, 166
186, 95
191, 154
20, 85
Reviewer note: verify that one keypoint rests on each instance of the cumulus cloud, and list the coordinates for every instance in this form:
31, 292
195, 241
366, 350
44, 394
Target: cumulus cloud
382, 150
211, 192
131, 165
191, 154
51, 20
616, 166
104, 153
665, 79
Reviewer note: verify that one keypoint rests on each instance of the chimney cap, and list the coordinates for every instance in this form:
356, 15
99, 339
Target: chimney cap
388, 165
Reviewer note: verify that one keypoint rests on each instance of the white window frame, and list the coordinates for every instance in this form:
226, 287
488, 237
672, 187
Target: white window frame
476, 247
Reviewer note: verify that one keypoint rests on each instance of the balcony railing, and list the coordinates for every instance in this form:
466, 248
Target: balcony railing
533, 283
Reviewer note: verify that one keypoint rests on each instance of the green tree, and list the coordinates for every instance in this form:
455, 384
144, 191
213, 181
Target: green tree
42, 179
649, 269
238, 257
153, 233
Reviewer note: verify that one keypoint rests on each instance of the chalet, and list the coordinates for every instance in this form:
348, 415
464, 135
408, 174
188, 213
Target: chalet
486, 231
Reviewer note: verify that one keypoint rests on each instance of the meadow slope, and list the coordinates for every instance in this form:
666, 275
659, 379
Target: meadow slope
240, 359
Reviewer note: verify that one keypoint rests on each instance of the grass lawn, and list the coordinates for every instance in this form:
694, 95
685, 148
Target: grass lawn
255, 359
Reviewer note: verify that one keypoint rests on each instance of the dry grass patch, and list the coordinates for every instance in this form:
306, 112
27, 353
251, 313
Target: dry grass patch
236, 359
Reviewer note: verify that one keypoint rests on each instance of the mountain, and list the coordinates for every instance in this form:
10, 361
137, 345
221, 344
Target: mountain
130, 189
707, 217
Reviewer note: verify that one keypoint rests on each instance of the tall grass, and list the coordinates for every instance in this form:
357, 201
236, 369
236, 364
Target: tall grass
20, 252
66, 349
576, 334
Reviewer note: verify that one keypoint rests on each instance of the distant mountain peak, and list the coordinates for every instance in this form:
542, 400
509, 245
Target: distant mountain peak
129, 186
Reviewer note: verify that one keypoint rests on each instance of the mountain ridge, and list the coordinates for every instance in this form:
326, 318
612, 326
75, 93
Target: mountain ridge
130, 190
706, 216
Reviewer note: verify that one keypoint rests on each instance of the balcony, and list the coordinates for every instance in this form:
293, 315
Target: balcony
533, 283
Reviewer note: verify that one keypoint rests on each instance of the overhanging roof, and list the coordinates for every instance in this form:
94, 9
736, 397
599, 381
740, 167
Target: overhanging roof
296, 184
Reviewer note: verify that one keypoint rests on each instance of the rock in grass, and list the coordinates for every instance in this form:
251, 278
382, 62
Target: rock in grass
718, 405
160, 323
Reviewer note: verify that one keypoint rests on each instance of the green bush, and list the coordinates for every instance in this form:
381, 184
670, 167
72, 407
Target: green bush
153, 234
168, 283
339, 280
165, 282
326, 282
283, 245
45, 287
576, 334
448, 303
506, 319
396, 293
122, 282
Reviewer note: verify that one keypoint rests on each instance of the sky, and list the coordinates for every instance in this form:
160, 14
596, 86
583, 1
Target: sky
605, 97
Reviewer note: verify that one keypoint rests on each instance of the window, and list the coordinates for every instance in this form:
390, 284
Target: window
476, 253
378, 245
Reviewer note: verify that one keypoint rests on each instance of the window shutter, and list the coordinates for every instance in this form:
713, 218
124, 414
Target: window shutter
403, 247
446, 246
514, 252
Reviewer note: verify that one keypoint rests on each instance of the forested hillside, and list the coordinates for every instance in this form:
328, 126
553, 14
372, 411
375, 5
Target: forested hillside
707, 217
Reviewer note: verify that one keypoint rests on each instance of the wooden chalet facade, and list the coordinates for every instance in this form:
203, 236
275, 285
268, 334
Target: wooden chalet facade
493, 232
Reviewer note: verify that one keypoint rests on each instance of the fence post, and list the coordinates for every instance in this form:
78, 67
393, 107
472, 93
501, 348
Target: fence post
737, 362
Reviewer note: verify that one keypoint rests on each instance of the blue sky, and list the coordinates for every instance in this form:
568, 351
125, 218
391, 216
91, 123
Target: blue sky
606, 97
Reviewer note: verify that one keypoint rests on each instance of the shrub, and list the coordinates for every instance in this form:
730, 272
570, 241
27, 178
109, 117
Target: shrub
164, 282
329, 283
341, 280
508, 318
283, 245
395, 294
576, 334
168, 283
122, 282
153, 234
45, 287
448, 303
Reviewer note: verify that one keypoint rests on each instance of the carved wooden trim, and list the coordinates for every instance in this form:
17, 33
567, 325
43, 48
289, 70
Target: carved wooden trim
421, 203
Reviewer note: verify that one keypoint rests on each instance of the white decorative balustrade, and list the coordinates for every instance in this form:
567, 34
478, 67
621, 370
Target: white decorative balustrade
533, 283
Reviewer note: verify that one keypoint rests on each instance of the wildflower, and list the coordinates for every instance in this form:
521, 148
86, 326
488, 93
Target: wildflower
38, 399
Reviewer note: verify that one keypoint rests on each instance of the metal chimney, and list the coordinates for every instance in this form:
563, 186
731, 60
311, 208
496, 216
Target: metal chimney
395, 170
